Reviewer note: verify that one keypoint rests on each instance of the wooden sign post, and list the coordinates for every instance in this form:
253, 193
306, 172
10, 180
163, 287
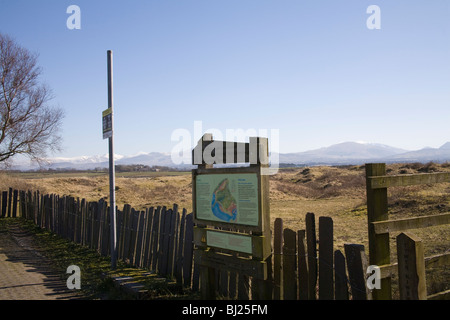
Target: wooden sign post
231, 213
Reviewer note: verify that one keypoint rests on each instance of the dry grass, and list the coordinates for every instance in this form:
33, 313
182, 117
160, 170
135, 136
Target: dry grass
338, 192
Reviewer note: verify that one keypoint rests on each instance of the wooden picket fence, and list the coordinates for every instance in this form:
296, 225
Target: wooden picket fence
161, 239
158, 239
303, 270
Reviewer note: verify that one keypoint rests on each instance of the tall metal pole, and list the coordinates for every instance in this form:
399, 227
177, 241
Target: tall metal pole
112, 182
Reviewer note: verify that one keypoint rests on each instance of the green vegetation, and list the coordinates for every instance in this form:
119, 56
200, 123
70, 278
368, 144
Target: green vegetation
96, 274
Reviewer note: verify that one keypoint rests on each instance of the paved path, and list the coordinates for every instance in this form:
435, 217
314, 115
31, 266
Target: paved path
24, 273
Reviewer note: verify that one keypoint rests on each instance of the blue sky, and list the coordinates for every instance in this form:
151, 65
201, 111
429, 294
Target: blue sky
310, 69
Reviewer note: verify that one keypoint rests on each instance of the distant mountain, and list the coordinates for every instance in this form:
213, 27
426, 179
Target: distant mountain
338, 154
445, 146
342, 153
101, 161
440, 154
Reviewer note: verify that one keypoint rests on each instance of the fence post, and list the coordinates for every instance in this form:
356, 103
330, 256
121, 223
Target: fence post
340, 277
180, 248
302, 266
377, 210
188, 250
14, 204
278, 266
411, 268
356, 265
4, 203
9, 202
312, 254
289, 265
326, 287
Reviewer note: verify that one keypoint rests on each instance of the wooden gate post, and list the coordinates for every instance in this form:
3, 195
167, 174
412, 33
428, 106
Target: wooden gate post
377, 210
411, 268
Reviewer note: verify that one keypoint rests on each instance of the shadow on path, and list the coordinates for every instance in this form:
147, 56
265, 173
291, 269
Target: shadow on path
25, 274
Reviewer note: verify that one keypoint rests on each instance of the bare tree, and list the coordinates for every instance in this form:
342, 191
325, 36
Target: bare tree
28, 124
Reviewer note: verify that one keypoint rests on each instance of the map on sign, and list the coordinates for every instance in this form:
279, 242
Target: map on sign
229, 198
223, 204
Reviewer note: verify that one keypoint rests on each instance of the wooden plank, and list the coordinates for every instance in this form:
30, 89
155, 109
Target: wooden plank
128, 221
164, 253
139, 237
9, 201
223, 283
174, 219
384, 181
4, 203
83, 219
242, 265
195, 283
104, 227
107, 230
177, 241
389, 270
326, 282
377, 210
162, 235
22, 208
14, 204
387, 226
179, 256
444, 295
232, 285
302, 266
155, 239
277, 259
133, 236
438, 260
37, 207
95, 225
289, 265
243, 287
411, 268
340, 276
148, 237
220, 152
207, 280
435, 261
312, 254
356, 270
188, 250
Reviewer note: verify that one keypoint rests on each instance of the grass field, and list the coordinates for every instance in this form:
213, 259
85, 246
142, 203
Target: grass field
337, 192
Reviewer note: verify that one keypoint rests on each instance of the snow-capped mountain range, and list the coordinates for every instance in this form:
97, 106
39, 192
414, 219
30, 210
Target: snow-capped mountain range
337, 154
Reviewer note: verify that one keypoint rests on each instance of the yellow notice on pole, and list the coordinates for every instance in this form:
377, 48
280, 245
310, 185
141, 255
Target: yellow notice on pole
107, 123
